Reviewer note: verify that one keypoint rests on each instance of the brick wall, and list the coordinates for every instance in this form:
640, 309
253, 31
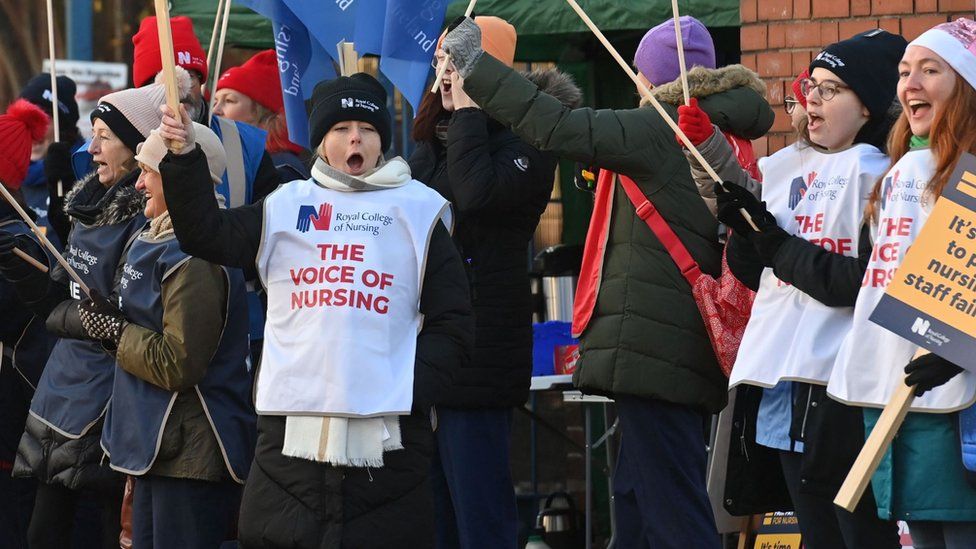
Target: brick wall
780, 37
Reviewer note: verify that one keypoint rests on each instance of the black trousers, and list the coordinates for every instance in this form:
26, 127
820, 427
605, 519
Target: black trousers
827, 526
80, 519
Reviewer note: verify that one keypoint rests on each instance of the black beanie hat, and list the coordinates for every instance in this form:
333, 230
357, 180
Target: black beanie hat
868, 63
38, 92
359, 97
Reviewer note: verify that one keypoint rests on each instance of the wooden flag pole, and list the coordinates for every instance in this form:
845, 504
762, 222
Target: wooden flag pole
876, 445
681, 51
213, 34
55, 114
220, 56
169, 62
349, 64
646, 93
47, 243
447, 58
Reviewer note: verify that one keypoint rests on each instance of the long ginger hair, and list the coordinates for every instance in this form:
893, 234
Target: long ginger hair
953, 132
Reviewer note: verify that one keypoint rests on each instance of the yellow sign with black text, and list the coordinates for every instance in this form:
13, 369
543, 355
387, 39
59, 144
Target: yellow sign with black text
931, 300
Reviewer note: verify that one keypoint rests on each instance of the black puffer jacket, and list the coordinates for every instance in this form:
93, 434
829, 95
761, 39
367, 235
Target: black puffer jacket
498, 185
45, 453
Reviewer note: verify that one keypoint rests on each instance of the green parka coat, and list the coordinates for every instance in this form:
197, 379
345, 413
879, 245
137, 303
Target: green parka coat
646, 337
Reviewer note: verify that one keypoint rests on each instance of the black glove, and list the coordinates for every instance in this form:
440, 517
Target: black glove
12, 267
57, 168
102, 320
928, 372
731, 198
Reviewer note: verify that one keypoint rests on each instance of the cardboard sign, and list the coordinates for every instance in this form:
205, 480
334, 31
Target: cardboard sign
931, 300
778, 531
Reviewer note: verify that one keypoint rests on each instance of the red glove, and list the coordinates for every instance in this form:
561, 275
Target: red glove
695, 123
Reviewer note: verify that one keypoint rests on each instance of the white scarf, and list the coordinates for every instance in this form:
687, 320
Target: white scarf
351, 442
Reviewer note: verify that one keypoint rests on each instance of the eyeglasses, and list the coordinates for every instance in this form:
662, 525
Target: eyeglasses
827, 89
437, 61
789, 104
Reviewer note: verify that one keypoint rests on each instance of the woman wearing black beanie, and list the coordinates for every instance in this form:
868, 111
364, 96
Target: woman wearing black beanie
368, 315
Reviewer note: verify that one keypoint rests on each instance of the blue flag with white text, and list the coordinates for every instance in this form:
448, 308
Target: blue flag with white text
302, 63
368, 36
328, 21
410, 35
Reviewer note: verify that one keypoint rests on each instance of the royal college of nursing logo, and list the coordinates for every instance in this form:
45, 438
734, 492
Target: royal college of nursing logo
308, 217
799, 187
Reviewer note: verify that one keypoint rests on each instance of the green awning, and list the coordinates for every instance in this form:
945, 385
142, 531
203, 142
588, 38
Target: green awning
531, 18
545, 17
245, 29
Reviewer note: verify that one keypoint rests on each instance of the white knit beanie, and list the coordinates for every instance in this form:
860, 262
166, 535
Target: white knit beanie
954, 42
133, 113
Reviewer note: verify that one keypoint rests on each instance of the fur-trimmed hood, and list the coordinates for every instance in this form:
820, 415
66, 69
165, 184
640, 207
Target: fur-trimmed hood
89, 202
703, 82
557, 84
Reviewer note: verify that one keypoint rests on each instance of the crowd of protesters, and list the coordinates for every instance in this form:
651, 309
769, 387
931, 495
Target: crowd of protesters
289, 348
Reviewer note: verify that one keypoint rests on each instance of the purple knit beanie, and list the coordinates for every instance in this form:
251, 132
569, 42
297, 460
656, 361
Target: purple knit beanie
657, 54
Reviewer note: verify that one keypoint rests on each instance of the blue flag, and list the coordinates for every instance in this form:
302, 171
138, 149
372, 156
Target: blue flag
302, 63
409, 39
369, 33
329, 22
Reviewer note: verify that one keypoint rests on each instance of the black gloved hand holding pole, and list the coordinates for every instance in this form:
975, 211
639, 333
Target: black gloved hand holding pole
928, 372
102, 320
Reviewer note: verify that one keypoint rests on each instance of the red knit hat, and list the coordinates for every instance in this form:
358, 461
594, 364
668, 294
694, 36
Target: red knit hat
146, 59
797, 92
258, 79
22, 125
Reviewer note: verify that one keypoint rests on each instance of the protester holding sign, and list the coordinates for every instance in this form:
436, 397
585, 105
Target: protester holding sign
251, 93
666, 377
813, 248
180, 419
499, 186
60, 446
368, 318
921, 479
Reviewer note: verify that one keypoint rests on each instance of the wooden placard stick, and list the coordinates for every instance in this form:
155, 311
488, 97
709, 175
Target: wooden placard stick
47, 243
55, 106
646, 93
679, 41
169, 62
26, 257
876, 445
447, 58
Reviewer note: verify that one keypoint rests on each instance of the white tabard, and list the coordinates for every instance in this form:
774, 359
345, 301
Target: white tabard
871, 360
819, 197
343, 272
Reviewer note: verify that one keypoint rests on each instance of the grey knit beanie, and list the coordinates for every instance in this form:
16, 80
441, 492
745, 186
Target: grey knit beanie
152, 151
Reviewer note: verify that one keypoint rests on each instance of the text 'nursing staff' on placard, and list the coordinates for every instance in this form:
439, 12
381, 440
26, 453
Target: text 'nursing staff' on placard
347, 284
931, 300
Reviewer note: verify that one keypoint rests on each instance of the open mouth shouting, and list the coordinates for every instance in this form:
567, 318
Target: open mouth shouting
814, 121
919, 108
356, 163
